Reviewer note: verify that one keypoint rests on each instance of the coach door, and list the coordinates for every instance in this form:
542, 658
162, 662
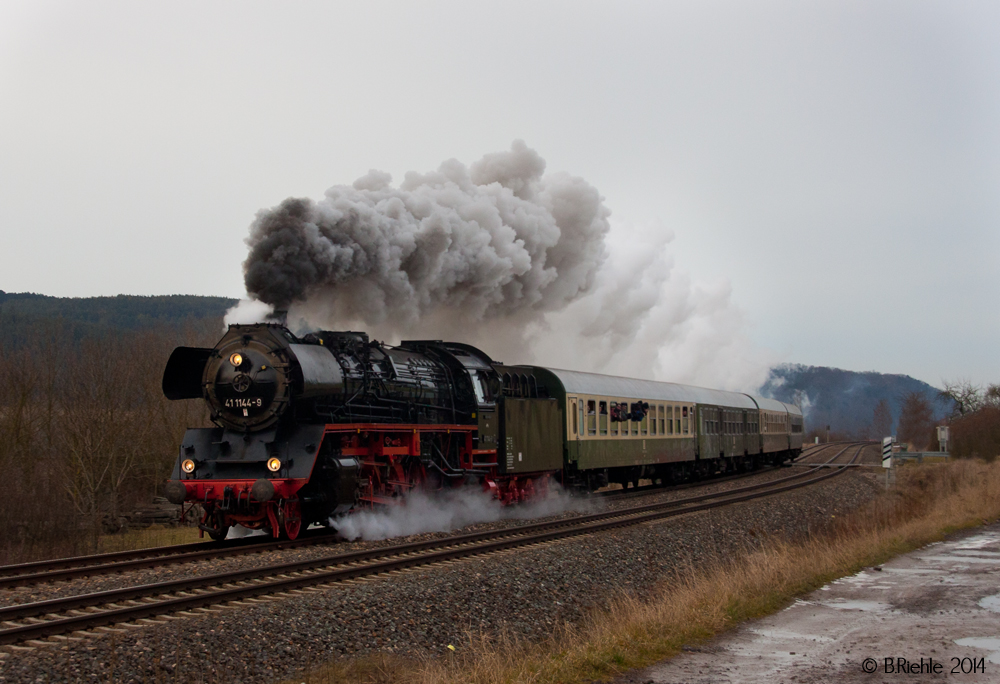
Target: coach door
532, 438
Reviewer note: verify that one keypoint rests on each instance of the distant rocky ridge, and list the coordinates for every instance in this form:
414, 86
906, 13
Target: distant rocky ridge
844, 400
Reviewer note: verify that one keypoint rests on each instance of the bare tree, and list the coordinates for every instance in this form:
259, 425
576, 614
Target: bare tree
916, 419
966, 397
882, 419
106, 422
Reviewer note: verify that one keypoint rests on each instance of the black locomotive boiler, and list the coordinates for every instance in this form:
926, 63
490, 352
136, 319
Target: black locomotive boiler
306, 428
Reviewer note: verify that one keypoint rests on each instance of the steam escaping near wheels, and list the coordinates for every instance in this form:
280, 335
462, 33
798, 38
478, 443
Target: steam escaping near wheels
449, 510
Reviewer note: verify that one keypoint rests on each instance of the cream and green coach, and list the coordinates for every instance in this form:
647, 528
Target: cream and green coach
599, 428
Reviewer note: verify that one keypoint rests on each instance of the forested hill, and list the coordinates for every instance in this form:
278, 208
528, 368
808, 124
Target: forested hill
23, 315
844, 400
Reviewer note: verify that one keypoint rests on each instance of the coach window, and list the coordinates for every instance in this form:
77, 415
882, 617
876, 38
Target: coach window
576, 425
591, 417
684, 419
604, 418
635, 425
670, 420
652, 420
644, 425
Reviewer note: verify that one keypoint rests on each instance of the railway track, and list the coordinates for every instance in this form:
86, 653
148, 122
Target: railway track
78, 614
24, 574
37, 572
815, 455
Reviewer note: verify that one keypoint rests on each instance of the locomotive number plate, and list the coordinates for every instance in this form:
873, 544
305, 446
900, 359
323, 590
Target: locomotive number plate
245, 402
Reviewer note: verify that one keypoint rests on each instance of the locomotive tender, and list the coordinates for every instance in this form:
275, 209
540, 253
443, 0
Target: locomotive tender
307, 428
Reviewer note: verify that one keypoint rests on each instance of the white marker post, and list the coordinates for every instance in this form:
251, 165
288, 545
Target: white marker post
887, 458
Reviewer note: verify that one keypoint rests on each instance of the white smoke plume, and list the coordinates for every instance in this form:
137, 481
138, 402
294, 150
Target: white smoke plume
450, 510
501, 255
248, 311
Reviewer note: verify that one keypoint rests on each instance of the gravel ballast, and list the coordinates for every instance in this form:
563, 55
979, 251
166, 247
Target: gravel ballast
526, 591
211, 566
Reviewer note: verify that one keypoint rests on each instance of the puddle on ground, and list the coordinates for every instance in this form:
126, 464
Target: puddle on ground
873, 606
862, 577
962, 559
783, 634
915, 571
991, 603
978, 542
987, 643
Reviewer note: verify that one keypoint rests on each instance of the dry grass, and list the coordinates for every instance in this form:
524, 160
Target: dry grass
928, 502
156, 535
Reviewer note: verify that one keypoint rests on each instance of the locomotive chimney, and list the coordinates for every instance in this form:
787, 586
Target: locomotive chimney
280, 317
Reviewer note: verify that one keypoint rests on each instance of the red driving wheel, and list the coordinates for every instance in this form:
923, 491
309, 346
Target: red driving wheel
291, 518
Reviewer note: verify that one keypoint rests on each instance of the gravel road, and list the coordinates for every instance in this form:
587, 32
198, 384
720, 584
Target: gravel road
421, 611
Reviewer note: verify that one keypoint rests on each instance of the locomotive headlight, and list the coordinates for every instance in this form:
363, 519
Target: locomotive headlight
274, 464
187, 465
236, 359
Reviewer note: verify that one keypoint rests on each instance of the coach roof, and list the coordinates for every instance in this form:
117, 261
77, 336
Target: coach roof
575, 382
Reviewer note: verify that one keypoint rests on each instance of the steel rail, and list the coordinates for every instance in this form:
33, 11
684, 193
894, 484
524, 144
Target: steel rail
106, 563
37, 572
345, 566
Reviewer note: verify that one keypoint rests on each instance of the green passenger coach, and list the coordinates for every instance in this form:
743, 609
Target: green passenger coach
599, 429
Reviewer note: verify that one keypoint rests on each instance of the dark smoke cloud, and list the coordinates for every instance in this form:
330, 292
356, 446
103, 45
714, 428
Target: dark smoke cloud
498, 236
503, 256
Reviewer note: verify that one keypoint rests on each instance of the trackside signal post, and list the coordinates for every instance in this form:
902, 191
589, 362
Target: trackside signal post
942, 435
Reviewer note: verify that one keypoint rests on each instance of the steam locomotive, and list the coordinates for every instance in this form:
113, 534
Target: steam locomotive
309, 428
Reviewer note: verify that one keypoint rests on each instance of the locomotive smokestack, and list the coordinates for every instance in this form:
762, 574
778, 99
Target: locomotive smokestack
280, 316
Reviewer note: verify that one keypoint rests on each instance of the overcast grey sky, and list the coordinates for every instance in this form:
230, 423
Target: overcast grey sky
836, 163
